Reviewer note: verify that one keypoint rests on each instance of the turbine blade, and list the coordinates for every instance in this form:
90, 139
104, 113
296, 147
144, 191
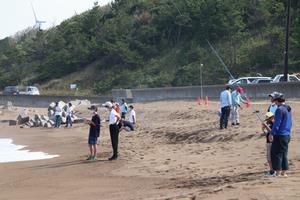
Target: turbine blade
34, 13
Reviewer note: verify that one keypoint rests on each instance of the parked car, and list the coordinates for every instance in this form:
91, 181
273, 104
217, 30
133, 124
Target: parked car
280, 78
11, 90
262, 80
16, 90
30, 90
246, 80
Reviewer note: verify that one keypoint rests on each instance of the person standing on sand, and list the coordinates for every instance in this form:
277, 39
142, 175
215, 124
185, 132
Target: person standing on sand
114, 119
236, 105
69, 112
280, 136
267, 126
94, 132
273, 107
226, 102
124, 109
58, 113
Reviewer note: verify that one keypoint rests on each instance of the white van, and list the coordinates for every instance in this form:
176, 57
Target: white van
30, 90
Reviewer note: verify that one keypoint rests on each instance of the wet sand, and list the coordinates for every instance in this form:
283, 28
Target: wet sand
177, 152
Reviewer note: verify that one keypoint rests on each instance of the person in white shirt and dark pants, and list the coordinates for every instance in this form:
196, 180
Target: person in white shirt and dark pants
58, 114
226, 102
114, 119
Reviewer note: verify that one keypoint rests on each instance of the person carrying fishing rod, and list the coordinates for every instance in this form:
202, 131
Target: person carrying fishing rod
226, 102
236, 105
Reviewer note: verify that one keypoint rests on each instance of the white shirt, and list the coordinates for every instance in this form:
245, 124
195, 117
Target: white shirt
132, 116
112, 117
225, 98
69, 111
58, 111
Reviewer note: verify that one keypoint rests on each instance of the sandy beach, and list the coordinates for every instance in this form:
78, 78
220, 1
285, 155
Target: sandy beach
177, 152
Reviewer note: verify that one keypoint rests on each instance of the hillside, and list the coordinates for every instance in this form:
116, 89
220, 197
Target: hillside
153, 43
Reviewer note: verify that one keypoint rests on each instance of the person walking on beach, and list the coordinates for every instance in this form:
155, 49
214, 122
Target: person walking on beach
94, 132
124, 109
236, 105
69, 112
132, 119
280, 136
58, 114
226, 102
114, 119
267, 128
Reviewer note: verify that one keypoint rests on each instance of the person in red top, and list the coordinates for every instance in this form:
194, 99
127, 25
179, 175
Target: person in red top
117, 108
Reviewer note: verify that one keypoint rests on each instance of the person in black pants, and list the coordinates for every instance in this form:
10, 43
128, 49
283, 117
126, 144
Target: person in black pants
226, 102
280, 136
114, 119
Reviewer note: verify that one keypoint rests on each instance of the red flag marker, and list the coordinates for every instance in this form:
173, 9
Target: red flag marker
206, 101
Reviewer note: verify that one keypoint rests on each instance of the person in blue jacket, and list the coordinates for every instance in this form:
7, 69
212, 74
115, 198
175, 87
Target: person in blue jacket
280, 136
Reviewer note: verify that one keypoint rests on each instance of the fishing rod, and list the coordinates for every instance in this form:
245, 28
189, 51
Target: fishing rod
231, 76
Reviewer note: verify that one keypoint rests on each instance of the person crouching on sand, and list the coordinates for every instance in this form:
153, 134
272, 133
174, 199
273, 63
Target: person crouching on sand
132, 119
94, 132
267, 128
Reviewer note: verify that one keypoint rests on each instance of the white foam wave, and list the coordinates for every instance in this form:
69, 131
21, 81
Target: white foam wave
13, 153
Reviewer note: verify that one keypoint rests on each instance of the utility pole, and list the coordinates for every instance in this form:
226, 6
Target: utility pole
286, 52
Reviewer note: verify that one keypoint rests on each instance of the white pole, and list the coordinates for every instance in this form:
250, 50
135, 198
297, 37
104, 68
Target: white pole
201, 65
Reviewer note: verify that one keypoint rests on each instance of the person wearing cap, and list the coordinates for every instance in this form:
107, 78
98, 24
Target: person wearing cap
132, 119
267, 128
236, 105
280, 136
113, 121
226, 102
94, 132
273, 107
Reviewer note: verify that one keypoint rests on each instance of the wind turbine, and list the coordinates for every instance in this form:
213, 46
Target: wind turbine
38, 23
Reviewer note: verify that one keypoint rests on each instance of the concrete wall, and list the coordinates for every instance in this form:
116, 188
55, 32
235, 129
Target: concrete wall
291, 90
44, 101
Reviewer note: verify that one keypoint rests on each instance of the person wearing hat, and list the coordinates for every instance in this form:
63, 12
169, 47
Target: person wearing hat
236, 105
273, 107
226, 102
267, 128
94, 132
280, 135
113, 121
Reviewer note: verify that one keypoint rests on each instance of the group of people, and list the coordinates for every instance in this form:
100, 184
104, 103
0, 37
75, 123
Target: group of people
116, 121
58, 111
278, 124
230, 104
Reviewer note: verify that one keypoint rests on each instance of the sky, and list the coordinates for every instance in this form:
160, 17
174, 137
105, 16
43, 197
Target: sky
17, 15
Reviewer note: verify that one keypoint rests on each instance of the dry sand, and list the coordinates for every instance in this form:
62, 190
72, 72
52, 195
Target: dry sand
176, 153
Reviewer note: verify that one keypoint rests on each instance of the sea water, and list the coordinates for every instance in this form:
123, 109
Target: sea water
10, 152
